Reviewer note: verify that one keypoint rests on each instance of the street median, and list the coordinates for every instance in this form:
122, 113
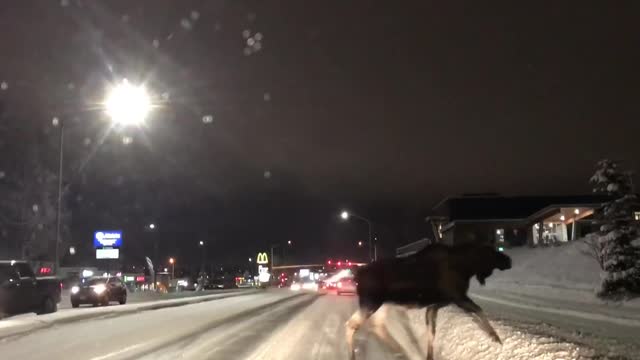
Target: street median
15, 326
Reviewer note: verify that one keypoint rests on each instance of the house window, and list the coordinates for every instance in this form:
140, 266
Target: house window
499, 236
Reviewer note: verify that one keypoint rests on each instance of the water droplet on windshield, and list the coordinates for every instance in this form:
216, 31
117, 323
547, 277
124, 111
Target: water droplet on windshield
156, 43
125, 18
250, 41
35, 208
267, 174
247, 51
195, 15
55, 121
186, 24
2, 174
258, 36
207, 119
4, 85
64, 3
266, 96
246, 33
257, 46
87, 141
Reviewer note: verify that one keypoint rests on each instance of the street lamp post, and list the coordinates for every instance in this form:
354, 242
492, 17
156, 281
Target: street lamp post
202, 258
173, 268
126, 104
373, 253
59, 204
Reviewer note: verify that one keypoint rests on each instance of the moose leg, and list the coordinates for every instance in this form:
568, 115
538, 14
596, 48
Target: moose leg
470, 307
352, 325
430, 320
379, 328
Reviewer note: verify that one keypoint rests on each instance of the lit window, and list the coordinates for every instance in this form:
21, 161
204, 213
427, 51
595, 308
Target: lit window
499, 235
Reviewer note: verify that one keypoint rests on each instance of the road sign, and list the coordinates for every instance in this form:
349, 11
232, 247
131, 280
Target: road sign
107, 253
107, 239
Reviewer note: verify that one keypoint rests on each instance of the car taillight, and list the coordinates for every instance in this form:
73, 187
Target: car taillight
340, 284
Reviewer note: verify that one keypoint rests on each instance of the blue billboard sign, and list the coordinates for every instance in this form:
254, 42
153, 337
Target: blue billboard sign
107, 239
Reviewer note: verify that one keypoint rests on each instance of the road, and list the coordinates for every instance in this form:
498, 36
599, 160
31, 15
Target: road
270, 325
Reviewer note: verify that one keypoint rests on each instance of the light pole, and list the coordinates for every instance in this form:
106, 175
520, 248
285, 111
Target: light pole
201, 244
345, 215
173, 268
126, 104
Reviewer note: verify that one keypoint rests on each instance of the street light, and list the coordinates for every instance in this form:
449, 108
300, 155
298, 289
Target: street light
360, 243
289, 242
373, 253
173, 268
250, 259
127, 104
152, 226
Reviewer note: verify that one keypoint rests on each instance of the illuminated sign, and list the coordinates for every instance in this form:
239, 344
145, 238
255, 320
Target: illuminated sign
263, 274
107, 239
139, 278
107, 253
128, 278
262, 258
304, 272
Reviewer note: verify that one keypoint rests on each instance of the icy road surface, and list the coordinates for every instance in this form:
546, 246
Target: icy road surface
276, 324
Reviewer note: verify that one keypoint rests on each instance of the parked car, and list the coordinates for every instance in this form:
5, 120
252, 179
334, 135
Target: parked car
346, 285
22, 292
98, 291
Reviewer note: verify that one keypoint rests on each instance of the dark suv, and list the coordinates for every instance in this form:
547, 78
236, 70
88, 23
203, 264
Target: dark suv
98, 291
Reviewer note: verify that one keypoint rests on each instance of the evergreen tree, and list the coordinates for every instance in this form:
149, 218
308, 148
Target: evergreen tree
618, 229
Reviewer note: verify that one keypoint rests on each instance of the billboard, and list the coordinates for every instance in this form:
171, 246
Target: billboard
107, 239
107, 253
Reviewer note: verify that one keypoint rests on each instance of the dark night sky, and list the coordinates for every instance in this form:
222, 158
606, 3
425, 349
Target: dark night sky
382, 108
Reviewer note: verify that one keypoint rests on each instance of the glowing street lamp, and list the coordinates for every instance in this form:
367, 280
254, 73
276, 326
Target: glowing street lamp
128, 104
173, 267
373, 253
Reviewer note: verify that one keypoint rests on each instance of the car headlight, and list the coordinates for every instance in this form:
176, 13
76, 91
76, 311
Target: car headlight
295, 287
75, 289
99, 289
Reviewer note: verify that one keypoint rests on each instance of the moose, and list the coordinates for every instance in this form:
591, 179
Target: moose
434, 277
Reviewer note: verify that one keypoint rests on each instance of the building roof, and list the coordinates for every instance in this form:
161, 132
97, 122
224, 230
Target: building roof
487, 207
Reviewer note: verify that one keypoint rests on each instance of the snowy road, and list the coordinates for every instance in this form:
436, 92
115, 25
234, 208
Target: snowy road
276, 324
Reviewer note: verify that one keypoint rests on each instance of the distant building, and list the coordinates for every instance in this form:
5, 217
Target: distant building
514, 221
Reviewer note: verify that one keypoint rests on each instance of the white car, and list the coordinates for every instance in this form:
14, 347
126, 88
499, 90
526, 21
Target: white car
346, 286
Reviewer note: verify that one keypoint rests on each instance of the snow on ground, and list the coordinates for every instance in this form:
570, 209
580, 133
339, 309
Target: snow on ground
458, 337
558, 272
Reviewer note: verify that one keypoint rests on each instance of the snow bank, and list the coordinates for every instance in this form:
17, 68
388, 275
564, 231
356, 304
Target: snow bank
458, 337
564, 267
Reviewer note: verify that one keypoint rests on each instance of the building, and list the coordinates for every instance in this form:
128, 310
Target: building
513, 221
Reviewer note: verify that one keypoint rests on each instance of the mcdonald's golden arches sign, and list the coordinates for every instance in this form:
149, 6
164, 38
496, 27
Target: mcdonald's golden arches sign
262, 258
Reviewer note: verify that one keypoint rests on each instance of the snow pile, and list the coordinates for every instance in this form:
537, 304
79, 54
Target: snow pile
563, 266
458, 337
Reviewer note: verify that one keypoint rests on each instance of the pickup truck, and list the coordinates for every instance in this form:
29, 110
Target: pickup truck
22, 292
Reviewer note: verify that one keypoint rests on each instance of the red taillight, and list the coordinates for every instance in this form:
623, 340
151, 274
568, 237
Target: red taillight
339, 263
329, 262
